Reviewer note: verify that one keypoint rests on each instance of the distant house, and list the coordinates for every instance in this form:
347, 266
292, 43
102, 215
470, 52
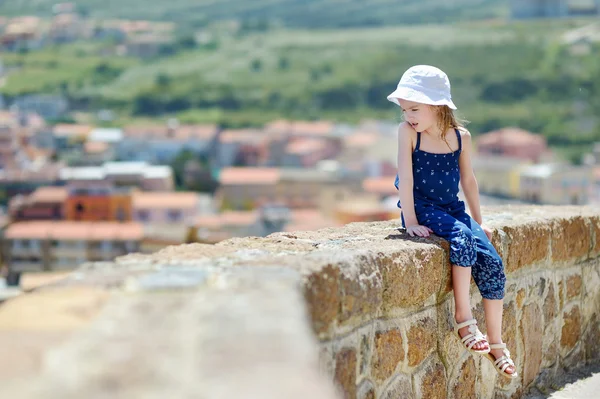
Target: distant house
513, 142
524, 9
45, 203
69, 136
124, 175
22, 33
55, 245
65, 28
282, 132
165, 207
556, 184
231, 142
243, 188
499, 175
307, 152
158, 144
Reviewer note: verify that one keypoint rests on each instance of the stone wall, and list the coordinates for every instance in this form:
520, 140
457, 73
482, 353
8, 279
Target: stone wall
363, 312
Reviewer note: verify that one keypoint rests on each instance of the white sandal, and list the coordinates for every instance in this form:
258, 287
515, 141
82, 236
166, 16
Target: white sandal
472, 338
503, 362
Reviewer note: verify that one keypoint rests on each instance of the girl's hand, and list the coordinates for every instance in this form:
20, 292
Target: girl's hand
487, 231
417, 229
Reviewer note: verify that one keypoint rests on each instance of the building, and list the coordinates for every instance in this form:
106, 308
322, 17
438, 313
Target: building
307, 152
55, 245
556, 184
513, 142
165, 207
116, 175
45, 203
244, 188
240, 147
161, 144
499, 175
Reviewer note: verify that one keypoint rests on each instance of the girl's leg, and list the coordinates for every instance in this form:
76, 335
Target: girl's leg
463, 254
493, 309
461, 282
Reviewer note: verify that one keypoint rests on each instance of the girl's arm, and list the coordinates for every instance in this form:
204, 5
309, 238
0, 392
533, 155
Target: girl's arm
405, 174
468, 181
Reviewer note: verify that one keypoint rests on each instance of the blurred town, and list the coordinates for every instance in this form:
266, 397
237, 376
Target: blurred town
77, 192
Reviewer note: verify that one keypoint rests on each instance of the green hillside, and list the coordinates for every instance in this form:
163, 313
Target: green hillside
294, 13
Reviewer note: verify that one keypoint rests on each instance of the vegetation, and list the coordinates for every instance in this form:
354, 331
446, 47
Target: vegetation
292, 13
503, 74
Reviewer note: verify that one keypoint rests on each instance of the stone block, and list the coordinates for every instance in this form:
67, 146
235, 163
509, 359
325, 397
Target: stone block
520, 298
322, 295
591, 290
464, 385
421, 340
365, 353
509, 326
388, 352
411, 277
571, 329
550, 345
360, 297
595, 222
431, 381
549, 306
366, 390
528, 245
345, 372
399, 388
571, 239
531, 329
573, 286
561, 295
592, 340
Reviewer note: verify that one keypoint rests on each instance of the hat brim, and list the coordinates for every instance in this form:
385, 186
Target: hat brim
408, 94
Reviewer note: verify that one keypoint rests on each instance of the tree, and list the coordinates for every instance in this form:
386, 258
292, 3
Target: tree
256, 65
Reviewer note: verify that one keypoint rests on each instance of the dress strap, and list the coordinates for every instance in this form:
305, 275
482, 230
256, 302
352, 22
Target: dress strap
459, 140
418, 141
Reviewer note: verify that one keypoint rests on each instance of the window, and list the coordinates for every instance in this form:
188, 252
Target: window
174, 215
106, 246
143, 216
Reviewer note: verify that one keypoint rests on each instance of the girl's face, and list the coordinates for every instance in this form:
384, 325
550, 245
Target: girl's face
422, 117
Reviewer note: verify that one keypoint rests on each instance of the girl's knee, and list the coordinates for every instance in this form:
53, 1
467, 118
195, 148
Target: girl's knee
463, 248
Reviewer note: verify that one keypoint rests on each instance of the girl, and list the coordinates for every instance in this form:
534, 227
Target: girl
433, 157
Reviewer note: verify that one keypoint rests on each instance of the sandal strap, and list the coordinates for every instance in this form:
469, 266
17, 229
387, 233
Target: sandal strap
475, 336
465, 323
498, 346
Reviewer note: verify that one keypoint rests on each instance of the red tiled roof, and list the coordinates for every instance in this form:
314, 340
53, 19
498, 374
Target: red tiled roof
164, 200
94, 147
361, 139
249, 175
75, 231
510, 135
241, 136
304, 146
49, 194
68, 130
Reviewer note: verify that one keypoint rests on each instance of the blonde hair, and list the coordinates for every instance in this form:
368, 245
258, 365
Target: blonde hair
448, 120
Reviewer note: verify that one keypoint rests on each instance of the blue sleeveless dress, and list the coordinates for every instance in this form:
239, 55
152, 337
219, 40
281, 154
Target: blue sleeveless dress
436, 180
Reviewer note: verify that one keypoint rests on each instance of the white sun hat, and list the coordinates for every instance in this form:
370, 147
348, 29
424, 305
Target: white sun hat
423, 84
